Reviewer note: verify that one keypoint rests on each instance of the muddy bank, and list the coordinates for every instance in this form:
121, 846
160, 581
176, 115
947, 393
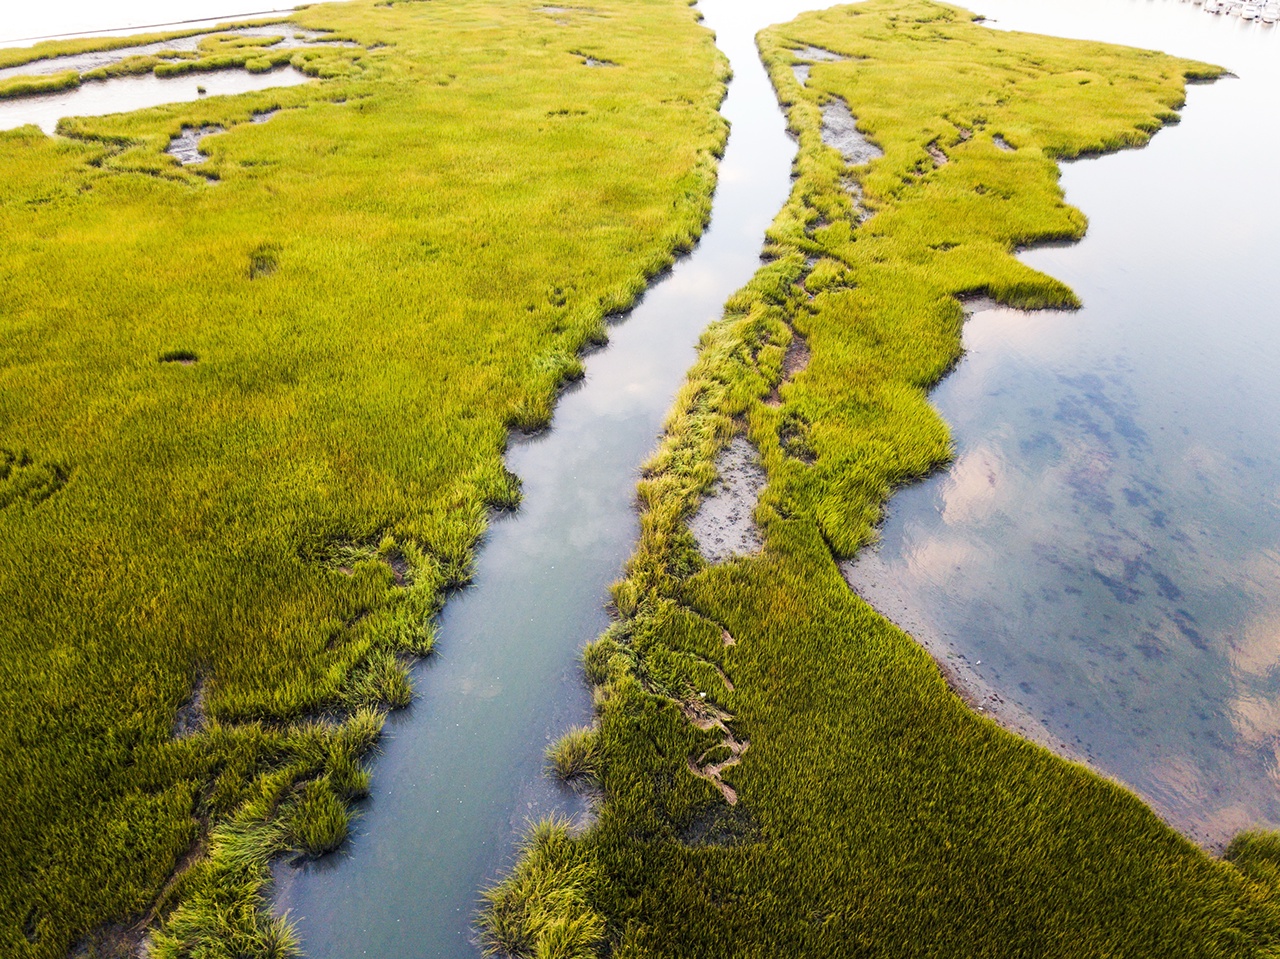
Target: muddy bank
186, 145
840, 131
724, 524
872, 579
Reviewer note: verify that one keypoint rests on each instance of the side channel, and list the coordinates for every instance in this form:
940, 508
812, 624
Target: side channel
461, 771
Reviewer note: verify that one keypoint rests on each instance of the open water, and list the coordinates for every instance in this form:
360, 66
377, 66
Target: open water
1107, 544
1105, 551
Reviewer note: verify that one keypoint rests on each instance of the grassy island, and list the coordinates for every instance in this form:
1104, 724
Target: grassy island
253, 411
784, 772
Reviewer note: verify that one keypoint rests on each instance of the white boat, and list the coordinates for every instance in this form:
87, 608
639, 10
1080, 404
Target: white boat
1271, 13
1212, 6
1250, 11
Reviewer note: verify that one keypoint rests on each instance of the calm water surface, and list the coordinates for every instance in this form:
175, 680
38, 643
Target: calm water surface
1107, 543
23, 24
462, 770
123, 94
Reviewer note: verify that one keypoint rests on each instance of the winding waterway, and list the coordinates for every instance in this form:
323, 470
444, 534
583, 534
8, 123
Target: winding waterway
1104, 554
1105, 551
461, 771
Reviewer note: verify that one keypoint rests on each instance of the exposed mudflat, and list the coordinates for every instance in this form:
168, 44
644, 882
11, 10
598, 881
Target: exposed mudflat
808, 56
817, 54
724, 525
840, 130
186, 145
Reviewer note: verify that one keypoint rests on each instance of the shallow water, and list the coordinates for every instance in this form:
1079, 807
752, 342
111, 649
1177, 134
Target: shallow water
1107, 542
288, 37
461, 770
123, 94
24, 23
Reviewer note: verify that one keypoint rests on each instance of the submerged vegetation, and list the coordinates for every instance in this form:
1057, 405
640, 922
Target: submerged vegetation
252, 422
873, 812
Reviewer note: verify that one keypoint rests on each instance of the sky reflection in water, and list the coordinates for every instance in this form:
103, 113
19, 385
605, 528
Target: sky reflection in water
1107, 542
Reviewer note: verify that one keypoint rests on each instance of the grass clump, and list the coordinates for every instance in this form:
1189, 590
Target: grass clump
401, 265
873, 812
541, 910
575, 755
34, 86
318, 819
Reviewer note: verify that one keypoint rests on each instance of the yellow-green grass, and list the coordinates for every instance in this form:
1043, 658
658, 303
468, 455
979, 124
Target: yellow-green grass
252, 417
875, 813
217, 52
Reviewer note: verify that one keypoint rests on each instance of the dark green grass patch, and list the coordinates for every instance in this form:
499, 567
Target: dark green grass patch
215, 573
870, 812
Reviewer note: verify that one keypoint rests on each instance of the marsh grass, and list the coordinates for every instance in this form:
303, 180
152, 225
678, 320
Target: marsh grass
399, 268
575, 756
221, 51
541, 909
886, 818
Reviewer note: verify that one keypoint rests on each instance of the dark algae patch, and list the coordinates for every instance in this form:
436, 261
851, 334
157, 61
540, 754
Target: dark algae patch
882, 816
216, 575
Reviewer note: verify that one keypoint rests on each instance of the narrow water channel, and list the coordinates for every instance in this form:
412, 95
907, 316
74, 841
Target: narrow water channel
461, 770
126, 94
22, 24
1104, 554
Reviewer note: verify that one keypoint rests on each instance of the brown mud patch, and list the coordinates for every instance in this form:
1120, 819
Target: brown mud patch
794, 362
186, 145
840, 132
712, 762
191, 716
724, 526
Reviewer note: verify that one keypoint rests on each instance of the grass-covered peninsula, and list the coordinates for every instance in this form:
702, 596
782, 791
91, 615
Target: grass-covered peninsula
783, 772
252, 416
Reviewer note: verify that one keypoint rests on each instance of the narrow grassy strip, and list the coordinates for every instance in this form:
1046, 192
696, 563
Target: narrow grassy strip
870, 812
220, 51
252, 423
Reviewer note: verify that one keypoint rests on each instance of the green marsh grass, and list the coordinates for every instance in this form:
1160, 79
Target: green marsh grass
875, 814
378, 284
575, 756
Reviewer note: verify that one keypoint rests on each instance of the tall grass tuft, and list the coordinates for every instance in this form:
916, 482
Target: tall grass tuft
575, 755
542, 909
317, 819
